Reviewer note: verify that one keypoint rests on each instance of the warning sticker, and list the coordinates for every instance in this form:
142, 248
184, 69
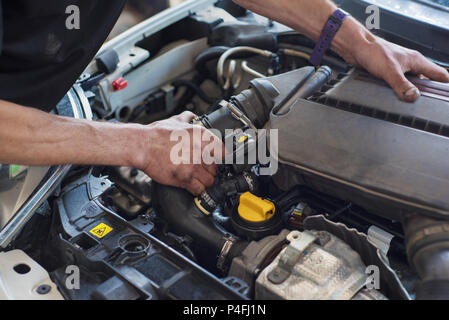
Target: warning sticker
101, 230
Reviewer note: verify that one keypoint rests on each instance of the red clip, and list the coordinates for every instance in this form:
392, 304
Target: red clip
119, 84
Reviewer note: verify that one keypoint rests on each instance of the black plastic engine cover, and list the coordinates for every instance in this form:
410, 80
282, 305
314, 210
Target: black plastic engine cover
358, 142
120, 259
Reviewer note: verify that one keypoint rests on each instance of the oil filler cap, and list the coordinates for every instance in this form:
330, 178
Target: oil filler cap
255, 209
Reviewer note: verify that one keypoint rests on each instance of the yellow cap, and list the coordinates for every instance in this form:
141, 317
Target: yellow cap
255, 209
242, 139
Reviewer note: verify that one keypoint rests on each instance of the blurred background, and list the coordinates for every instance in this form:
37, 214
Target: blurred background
138, 10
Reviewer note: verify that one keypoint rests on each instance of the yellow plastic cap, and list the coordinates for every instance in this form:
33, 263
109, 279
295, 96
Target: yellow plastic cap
255, 209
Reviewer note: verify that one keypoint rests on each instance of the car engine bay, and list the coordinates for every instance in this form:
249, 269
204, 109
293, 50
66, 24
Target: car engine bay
361, 187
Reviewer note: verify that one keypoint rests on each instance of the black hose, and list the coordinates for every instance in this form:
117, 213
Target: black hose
295, 38
427, 242
137, 112
178, 208
181, 213
289, 198
214, 53
204, 57
187, 96
193, 86
300, 41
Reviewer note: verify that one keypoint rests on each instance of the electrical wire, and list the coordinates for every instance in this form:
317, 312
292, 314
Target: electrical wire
196, 88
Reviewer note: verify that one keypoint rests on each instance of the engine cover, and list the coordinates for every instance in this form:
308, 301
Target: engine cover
316, 265
355, 140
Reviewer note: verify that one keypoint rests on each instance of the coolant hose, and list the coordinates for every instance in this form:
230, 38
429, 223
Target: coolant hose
427, 242
179, 210
204, 57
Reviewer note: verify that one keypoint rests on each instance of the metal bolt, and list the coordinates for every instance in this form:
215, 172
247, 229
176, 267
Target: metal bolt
43, 289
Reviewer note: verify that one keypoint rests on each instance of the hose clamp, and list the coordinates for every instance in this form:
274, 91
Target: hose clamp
249, 180
221, 262
238, 114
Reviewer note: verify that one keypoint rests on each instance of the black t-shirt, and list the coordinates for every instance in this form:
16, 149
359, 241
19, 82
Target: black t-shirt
42, 52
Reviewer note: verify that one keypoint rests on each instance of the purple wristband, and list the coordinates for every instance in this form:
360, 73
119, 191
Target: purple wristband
327, 35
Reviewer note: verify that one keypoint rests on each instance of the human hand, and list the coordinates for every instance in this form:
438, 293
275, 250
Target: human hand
155, 158
353, 42
390, 62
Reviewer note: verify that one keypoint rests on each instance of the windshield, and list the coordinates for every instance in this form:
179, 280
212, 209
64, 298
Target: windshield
434, 12
444, 3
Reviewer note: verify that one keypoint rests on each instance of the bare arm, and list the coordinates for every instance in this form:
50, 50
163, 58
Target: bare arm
33, 137
353, 42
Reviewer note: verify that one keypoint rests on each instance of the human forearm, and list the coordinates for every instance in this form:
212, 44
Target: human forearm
305, 16
32, 137
309, 17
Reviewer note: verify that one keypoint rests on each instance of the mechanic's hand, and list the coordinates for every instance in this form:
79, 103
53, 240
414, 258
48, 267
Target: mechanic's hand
389, 61
157, 163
